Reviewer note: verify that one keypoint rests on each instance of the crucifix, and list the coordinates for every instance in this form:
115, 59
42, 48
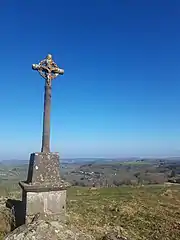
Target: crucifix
49, 70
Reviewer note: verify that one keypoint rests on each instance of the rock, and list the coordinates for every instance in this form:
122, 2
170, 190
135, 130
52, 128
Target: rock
43, 230
112, 236
6, 220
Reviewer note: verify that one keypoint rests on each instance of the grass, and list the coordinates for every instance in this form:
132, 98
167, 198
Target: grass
137, 213
144, 213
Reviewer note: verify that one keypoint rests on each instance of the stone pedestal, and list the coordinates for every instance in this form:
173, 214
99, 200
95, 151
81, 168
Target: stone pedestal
44, 192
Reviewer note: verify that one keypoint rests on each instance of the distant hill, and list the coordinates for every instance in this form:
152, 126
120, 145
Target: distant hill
14, 162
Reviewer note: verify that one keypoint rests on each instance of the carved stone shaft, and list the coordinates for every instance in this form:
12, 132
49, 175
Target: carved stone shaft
46, 118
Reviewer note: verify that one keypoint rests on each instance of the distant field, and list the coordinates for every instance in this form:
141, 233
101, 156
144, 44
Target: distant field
136, 163
102, 172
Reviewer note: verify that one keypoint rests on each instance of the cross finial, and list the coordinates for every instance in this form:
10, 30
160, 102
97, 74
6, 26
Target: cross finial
48, 69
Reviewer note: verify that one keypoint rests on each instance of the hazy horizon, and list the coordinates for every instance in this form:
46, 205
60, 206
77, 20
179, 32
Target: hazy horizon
99, 158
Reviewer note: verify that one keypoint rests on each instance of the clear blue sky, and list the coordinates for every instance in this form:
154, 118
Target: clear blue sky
120, 94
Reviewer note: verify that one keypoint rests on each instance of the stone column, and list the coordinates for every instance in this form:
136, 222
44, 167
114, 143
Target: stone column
44, 192
46, 118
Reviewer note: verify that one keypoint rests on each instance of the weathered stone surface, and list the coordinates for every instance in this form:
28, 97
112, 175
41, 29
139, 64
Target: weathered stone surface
44, 173
6, 220
112, 236
44, 230
44, 168
44, 192
46, 187
49, 204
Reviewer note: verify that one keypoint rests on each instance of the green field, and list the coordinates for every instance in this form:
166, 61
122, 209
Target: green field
150, 212
136, 213
133, 211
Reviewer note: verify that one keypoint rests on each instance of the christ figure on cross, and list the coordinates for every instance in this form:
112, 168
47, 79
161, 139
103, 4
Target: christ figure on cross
49, 70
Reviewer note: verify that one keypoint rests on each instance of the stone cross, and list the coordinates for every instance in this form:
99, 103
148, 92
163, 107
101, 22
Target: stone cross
49, 70
44, 192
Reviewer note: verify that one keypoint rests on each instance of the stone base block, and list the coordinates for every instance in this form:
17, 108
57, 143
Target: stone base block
48, 205
44, 168
44, 192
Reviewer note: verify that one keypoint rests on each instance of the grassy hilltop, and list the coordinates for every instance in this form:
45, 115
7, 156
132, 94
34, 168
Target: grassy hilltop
136, 213
132, 199
144, 213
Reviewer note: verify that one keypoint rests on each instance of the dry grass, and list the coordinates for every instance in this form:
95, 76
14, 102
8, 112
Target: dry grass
144, 213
